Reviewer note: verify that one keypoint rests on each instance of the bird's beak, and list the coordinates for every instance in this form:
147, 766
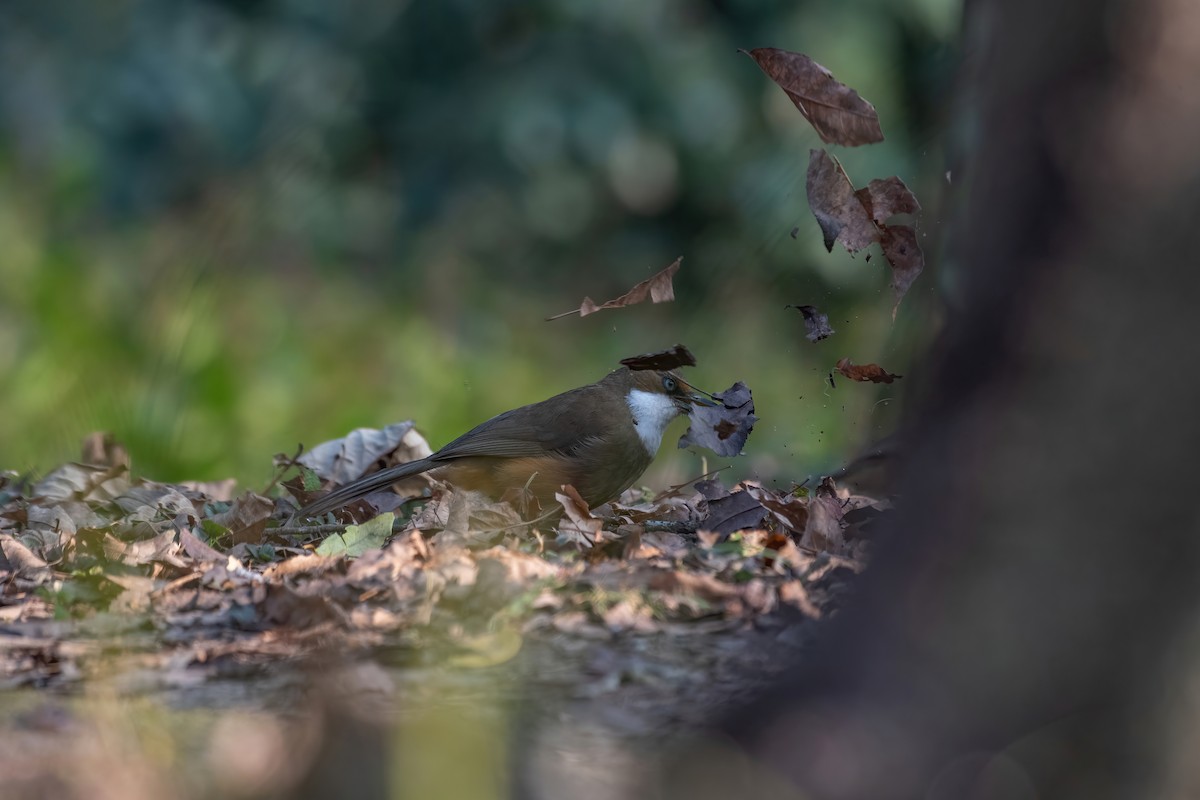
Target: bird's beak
695, 397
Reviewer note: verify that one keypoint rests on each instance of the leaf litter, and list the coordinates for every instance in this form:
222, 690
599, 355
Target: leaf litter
189, 585
101, 572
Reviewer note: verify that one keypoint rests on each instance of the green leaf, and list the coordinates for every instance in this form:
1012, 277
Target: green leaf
358, 539
213, 530
309, 479
262, 552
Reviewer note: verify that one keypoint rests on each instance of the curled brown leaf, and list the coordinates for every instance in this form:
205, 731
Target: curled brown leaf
723, 428
858, 218
658, 288
579, 526
677, 356
865, 372
837, 112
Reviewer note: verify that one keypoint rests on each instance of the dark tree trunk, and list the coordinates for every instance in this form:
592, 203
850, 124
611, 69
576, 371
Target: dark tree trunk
1025, 630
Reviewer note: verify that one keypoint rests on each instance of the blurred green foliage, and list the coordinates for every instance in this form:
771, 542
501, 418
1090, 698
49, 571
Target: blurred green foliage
230, 227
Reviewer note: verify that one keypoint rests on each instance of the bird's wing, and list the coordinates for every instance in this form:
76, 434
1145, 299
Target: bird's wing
534, 430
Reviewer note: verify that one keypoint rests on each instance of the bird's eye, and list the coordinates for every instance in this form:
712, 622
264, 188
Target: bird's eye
669, 383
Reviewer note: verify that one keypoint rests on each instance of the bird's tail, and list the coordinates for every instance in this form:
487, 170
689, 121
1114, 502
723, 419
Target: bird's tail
364, 486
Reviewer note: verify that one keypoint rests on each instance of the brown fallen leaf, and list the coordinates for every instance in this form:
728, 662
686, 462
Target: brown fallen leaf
18, 559
706, 587
657, 289
247, 518
678, 356
816, 323
221, 491
837, 112
865, 372
288, 608
857, 218
466, 518
789, 511
795, 593
579, 526
162, 548
723, 428
734, 512
823, 533
83, 481
196, 549
101, 449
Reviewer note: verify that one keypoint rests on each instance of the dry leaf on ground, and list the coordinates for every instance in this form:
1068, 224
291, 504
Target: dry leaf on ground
824, 531
580, 526
734, 512
157, 561
247, 518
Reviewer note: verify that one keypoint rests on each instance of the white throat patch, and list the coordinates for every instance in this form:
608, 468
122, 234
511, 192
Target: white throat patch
652, 412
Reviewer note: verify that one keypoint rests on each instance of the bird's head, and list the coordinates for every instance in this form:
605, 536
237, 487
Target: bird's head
667, 387
654, 398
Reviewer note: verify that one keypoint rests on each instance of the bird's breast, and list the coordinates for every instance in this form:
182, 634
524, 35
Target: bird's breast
651, 413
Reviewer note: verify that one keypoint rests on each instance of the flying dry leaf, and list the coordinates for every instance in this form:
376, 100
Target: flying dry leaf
657, 289
816, 323
902, 252
865, 372
858, 218
884, 198
837, 112
678, 356
839, 211
723, 428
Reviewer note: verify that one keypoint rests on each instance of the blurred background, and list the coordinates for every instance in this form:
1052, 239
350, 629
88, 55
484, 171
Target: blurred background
227, 228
